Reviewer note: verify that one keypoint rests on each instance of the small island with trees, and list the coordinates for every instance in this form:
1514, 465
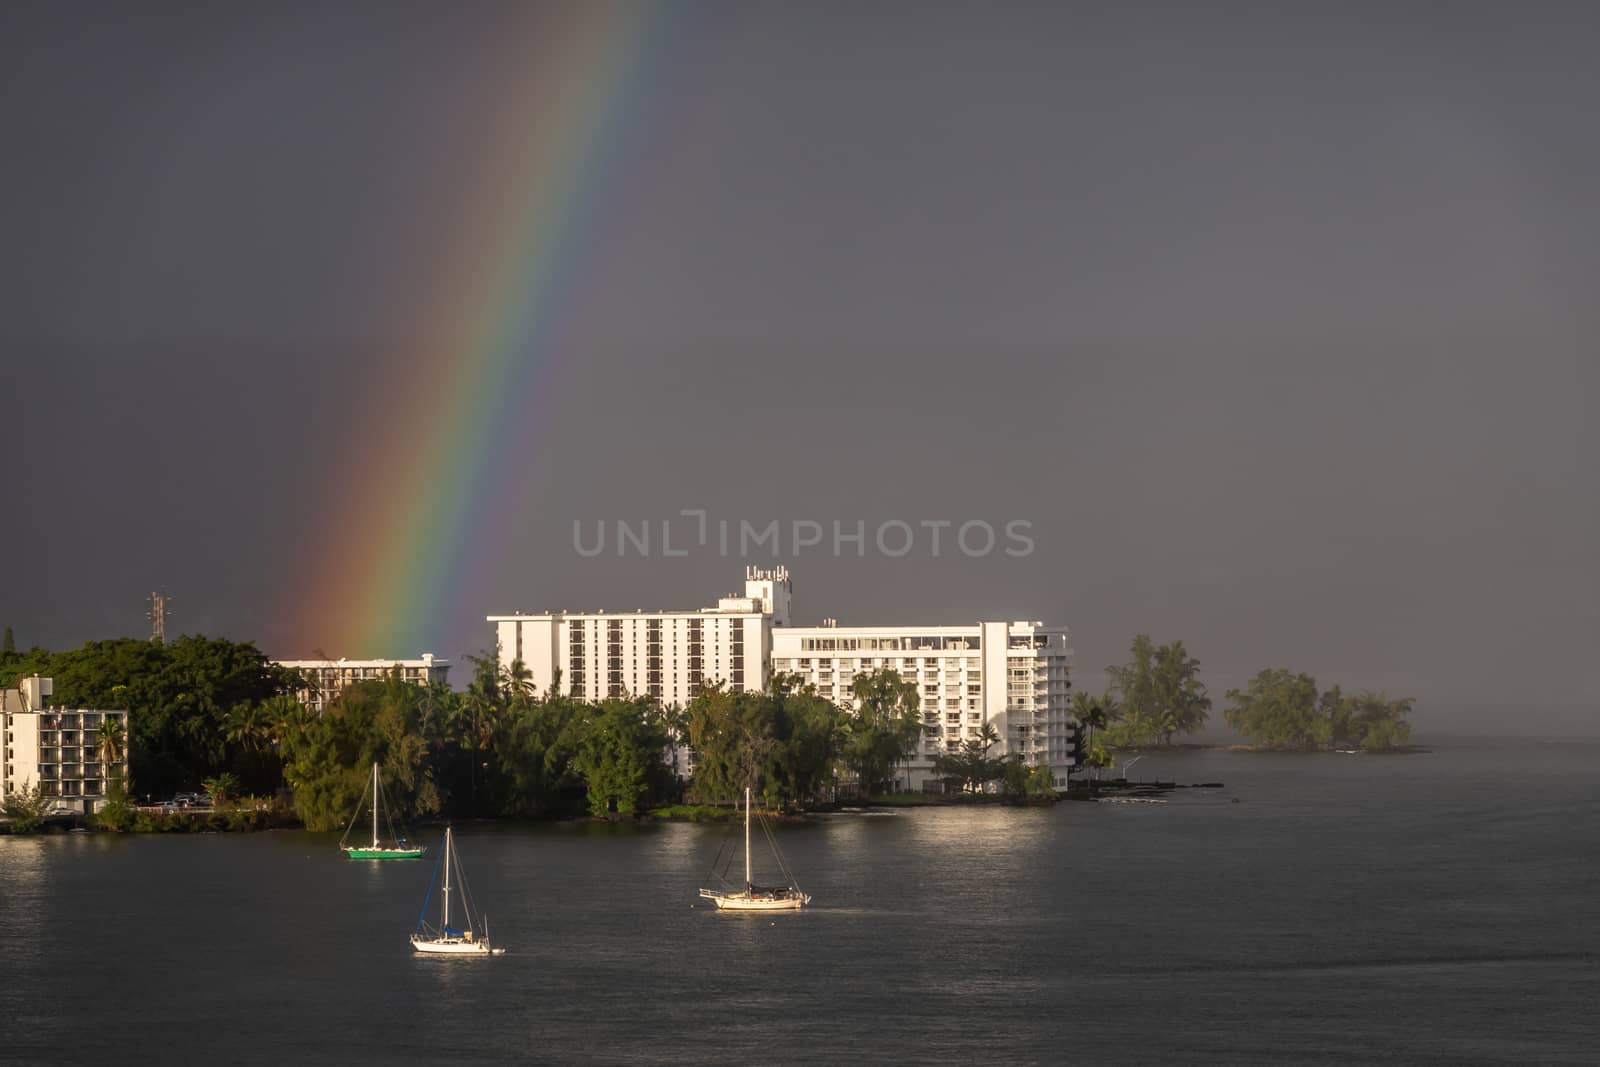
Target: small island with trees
1157, 695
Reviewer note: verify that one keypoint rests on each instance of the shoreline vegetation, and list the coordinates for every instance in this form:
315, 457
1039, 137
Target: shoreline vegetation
212, 714
217, 715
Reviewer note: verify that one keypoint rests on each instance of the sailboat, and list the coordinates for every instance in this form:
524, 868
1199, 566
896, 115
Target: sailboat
445, 939
759, 897
398, 847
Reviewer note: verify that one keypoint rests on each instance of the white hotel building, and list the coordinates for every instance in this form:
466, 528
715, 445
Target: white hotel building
1012, 675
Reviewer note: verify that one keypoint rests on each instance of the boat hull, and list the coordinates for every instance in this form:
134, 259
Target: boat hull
762, 902
385, 853
454, 946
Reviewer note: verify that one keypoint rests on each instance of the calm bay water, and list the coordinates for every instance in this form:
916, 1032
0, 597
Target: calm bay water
1437, 908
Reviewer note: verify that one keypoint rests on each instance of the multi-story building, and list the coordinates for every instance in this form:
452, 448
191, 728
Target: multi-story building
1013, 676
328, 678
664, 654
57, 749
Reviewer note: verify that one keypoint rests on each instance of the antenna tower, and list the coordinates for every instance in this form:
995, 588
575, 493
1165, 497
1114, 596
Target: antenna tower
158, 616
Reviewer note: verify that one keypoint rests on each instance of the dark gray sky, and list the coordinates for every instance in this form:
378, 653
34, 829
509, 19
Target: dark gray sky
1276, 321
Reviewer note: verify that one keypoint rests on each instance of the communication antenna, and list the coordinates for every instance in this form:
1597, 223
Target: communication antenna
158, 617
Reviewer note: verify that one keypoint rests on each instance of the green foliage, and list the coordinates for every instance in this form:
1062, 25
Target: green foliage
8, 643
1021, 780
1040, 785
970, 765
116, 813
736, 741
617, 751
885, 726
1377, 723
111, 746
1095, 714
1280, 709
177, 696
695, 813
532, 756
327, 760
217, 712
26, 809
222, 788
783, 742
1013, 777
1160, 694
813, 730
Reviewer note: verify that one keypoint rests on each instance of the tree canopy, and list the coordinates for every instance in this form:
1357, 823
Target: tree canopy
204, 710
1158, 694
970, 765
178, 696
1279, 708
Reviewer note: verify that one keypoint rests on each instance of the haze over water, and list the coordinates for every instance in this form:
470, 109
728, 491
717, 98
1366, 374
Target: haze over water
1433, 908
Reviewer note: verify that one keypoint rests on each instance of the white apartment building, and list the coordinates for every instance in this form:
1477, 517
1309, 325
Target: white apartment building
57, 749
1014, 676
1011, 675
328, 678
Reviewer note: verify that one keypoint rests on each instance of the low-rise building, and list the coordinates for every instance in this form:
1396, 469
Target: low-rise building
328, 678
59, 749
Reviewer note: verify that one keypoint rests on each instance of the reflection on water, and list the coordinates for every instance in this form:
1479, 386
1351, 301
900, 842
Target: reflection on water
23, 868
25, 871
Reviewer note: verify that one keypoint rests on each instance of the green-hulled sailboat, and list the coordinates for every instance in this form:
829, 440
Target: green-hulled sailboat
395, 847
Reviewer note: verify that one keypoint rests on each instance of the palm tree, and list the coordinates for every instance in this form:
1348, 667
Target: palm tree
518, 679
1094, 713
222, 787
249, 726
283, 716
112, 746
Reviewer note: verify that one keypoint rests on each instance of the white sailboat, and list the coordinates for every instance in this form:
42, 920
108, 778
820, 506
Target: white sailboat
444, 939
759, 897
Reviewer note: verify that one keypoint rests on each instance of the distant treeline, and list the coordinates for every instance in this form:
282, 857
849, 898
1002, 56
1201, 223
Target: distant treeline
1283, 709
1157, 695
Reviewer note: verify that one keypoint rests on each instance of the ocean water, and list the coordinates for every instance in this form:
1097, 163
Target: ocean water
1431, 908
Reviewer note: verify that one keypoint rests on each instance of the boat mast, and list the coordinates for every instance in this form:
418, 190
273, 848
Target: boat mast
446, 924
747, 881
374, 805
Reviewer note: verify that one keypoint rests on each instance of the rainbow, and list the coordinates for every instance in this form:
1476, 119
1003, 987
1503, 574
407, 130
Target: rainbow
419, 494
